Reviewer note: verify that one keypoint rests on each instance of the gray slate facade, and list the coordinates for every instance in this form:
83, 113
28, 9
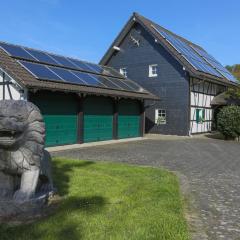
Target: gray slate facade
171, 84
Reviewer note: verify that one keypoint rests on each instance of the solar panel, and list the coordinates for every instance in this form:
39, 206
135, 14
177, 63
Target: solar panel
89, 79
40, 71
134, 86
42, 56
51, 73
37, 56
95, 68
124, 84
215, 64
63, 61
188, 53
102, 70
113, 72
16, 51
67, 75
108, 83
80, 65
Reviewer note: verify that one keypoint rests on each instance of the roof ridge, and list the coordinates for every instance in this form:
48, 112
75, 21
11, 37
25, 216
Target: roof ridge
166, 30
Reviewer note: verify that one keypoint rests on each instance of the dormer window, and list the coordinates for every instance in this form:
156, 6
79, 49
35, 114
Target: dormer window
153, 70
123, 71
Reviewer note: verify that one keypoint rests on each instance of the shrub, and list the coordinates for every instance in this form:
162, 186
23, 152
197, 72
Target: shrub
228, 122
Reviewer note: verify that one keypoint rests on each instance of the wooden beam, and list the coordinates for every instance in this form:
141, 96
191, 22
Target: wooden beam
5, 83
9, 92
115, 118
142, 119
80, 125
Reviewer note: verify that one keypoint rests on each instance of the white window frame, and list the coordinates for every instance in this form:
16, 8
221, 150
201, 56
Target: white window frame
160, 116
123, 71
153, 70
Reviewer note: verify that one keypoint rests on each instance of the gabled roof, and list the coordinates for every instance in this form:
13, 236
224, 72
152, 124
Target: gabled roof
27, 66
159, 34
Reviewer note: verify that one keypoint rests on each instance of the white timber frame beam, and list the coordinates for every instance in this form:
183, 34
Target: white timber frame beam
11, 89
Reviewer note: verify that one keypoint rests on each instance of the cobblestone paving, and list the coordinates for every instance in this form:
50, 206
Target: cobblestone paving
212, 168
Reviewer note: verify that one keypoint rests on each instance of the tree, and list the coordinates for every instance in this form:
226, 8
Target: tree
228, 122
235, 70
234, 92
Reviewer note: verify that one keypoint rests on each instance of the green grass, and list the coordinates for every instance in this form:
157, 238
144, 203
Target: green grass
109, 201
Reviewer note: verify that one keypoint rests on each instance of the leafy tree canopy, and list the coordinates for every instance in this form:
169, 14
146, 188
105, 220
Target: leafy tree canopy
235, 70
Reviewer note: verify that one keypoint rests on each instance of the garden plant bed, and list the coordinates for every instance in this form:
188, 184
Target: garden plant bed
109, 201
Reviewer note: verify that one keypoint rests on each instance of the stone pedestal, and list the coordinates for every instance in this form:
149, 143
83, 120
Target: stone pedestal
14, 213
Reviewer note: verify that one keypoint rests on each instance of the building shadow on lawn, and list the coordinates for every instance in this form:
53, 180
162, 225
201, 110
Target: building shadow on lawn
62, 173
86, 205
64, 224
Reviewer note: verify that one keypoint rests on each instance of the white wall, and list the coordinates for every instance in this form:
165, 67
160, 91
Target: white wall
15, 91
202, 94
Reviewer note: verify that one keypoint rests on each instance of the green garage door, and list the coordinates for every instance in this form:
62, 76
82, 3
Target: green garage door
98, 119
128, 119
60, 117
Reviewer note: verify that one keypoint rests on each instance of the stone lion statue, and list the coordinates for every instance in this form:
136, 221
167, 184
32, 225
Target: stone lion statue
25, 170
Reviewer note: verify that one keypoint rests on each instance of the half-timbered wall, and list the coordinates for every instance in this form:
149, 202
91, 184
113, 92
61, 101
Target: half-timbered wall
9, 89
202, 93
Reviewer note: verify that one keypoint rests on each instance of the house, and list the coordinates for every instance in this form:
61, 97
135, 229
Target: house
185, 76
80, 101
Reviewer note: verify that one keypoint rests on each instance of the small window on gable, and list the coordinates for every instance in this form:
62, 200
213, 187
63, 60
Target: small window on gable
160, 116
123, 71
153, 70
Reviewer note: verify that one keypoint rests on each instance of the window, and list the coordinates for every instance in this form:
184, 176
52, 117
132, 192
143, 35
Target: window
200, 115
123, 71
160, 116
153, 70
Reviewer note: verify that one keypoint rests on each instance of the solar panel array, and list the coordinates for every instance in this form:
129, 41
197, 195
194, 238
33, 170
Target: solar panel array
51, 67
197, 57
215, 64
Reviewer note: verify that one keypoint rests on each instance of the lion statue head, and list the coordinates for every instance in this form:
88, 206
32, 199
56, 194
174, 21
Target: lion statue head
22, 154
22, 133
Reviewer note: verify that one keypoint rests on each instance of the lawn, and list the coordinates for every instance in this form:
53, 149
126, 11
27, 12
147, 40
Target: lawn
109, 201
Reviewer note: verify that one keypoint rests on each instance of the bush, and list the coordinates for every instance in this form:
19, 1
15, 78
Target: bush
228, 122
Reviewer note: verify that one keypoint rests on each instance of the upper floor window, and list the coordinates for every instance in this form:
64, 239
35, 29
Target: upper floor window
123, 71
160, 116
153, 70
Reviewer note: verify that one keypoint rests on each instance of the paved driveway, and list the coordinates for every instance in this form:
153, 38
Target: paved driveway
212, 168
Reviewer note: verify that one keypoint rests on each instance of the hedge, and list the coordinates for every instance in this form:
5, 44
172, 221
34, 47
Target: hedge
228, 122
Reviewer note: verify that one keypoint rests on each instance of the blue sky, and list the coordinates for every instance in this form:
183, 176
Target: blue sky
85, 29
